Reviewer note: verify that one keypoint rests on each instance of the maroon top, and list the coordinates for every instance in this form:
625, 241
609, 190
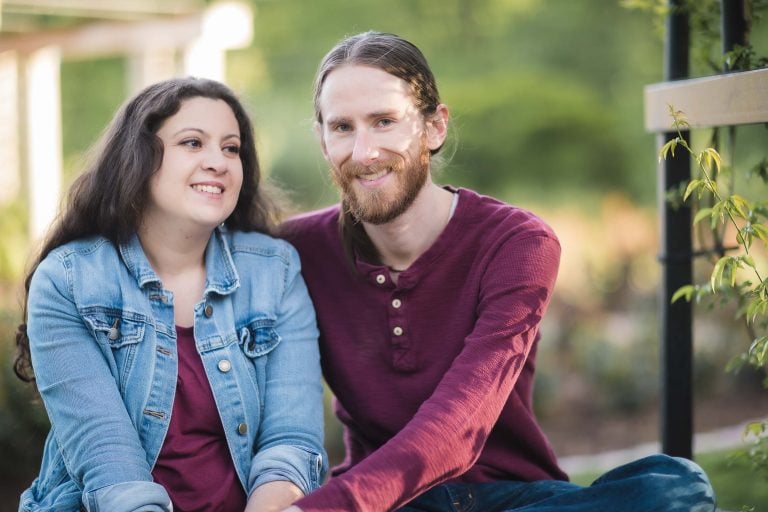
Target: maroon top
194, 464
433, 375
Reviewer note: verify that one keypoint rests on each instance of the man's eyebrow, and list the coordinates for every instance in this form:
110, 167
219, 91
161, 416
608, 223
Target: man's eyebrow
337, 120
372, 115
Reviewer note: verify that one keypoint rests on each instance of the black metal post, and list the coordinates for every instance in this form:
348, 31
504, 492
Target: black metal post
675, 256
733, 25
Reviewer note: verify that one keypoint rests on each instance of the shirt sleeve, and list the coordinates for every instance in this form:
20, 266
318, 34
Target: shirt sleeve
90, 423
448, 432
290, 442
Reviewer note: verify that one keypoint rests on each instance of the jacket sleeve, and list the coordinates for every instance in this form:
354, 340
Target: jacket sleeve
290, 441
448, 432
89, 421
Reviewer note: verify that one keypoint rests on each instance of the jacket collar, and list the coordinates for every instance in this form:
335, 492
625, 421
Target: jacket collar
220, 271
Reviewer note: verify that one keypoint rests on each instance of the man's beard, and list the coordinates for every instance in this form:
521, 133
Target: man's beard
376, 206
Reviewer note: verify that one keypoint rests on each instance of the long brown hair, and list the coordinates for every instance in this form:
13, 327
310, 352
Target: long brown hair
400, 58
109, 197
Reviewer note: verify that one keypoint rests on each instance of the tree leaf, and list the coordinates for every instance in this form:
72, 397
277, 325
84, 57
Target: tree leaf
702, 214
684, 291
668, 148
717, 272
710, 156
740, 205
761, 232
692, 185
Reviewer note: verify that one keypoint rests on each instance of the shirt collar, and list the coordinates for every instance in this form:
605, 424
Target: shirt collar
221, 274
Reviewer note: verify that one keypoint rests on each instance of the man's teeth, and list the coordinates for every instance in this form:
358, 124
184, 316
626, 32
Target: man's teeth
211, 189
375, 176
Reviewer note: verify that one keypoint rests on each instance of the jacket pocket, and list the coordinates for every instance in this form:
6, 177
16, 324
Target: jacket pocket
114, 327
120, 333
259, 337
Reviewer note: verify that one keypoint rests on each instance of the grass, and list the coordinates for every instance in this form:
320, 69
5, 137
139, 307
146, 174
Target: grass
737, 486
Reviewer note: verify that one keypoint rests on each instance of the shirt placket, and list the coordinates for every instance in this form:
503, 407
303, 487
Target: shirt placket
402, 357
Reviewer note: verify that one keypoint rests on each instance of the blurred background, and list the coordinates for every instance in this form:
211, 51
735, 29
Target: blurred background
546, 98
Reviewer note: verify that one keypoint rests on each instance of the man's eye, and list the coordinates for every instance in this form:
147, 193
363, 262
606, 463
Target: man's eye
385, 122
342, 127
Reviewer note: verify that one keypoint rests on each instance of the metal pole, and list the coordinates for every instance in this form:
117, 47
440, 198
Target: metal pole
733, 25
675, 256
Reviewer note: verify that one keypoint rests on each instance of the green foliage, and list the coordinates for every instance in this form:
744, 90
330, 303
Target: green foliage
756, 452
733, 276
551, 136
13, 222
526, 111
747, 218
23, 423
704, 20
92, 91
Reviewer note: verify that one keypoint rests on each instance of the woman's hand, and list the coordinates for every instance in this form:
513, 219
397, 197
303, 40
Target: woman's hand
274, 497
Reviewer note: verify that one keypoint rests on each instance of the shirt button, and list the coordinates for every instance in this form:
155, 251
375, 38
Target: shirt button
224, 366
398, 331
208, 311
242, 429
396, 303
380, 279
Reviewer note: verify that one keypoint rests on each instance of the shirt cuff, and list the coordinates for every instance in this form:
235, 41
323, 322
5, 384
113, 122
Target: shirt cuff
128, 497
295, 464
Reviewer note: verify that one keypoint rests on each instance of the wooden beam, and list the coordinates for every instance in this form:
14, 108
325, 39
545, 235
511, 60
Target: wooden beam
111, 38
722, 100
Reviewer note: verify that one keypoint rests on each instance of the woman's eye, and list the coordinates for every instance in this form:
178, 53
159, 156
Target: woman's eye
235, 150
192, 143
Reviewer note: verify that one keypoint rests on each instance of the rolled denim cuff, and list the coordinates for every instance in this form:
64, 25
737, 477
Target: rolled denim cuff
129, 497
295, 464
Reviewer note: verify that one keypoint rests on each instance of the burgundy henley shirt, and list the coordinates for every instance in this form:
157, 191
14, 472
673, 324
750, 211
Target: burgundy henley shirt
433, 375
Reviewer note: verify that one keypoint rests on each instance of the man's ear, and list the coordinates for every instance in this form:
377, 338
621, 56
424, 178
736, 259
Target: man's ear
437, 127
318, 129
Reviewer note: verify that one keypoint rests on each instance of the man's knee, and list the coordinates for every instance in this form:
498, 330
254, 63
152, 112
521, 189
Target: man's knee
680, 481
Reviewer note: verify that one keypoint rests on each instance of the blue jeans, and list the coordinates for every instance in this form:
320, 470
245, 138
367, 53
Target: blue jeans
657, 483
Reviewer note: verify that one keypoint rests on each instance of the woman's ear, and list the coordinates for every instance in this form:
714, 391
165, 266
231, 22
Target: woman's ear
437, 127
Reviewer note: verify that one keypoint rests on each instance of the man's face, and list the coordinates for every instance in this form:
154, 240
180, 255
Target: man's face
376, 141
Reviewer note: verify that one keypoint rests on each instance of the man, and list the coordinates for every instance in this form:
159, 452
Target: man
429, 300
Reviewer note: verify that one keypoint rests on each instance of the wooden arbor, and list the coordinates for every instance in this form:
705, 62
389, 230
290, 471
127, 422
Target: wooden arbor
155, 48
723, 100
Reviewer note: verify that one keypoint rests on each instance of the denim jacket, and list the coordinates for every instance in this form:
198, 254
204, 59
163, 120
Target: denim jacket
103, 344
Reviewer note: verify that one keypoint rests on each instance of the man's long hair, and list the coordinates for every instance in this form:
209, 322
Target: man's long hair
400, 58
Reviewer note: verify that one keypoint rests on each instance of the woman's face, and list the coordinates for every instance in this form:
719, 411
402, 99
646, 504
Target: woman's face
199, 179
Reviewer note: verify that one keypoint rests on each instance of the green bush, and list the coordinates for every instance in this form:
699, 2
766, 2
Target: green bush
23, 422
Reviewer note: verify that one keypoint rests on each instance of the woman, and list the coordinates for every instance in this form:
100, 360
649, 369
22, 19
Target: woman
172, 340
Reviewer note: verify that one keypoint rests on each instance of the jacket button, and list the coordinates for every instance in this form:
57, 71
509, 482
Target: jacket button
224, 366
208, 311
242, 429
